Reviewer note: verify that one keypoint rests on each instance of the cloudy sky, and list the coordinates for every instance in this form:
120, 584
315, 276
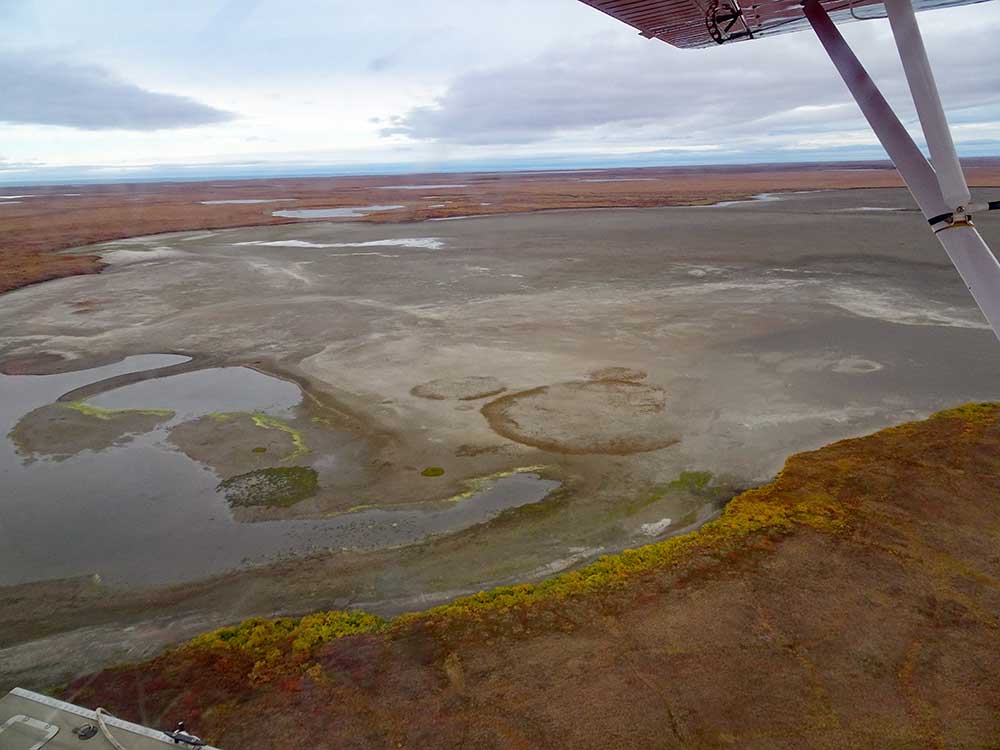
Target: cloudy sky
119, 88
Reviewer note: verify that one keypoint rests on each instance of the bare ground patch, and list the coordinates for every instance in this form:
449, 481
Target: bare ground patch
613, 417
468, 388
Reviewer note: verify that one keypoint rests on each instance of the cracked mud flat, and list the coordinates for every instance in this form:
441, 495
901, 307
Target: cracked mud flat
716, 341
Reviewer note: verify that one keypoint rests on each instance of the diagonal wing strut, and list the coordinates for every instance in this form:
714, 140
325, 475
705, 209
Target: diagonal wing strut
941, 193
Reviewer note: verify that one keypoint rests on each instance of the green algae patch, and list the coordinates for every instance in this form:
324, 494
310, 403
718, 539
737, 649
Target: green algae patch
432, 471
277, 487
475, 485
267, 422
697, 484
97, 412
691, 481
273, 423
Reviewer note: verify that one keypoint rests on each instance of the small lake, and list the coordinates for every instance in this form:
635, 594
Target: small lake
350, 212
759, 198
245, 200
418, 187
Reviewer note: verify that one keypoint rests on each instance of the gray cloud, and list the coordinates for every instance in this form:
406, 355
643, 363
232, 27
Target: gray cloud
648, 91
41, 91
382, 63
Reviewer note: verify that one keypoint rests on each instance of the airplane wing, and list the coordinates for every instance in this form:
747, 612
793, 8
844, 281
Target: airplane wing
706, 23
939, 188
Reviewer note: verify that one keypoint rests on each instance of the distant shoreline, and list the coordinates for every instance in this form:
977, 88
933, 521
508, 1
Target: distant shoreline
36, 222
244, 173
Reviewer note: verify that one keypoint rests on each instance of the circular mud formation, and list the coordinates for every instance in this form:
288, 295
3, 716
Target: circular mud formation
618, 373
856, 366
600, 416
459, 389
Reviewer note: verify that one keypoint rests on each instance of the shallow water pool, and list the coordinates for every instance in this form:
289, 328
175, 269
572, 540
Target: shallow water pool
97, 486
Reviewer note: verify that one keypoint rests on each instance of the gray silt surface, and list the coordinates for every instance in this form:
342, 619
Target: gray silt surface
771, 326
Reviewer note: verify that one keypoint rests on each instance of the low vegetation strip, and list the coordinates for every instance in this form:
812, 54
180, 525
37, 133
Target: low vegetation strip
98, 412
896, 524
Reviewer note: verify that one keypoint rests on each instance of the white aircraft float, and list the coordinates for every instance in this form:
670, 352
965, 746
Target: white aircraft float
938, 186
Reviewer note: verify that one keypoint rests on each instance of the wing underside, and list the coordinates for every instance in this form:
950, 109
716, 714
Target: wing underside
706, 23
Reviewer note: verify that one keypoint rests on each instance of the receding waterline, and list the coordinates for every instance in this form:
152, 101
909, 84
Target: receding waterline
145, 470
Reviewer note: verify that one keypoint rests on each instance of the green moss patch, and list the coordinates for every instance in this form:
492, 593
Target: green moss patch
279, 487
432, 471
266, 422
694, 483
273, 423
97, 412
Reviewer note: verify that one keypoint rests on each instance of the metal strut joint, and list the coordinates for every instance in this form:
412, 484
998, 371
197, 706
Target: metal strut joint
721, 17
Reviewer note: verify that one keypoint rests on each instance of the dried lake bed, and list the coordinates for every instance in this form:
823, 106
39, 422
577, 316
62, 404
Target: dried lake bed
517, 394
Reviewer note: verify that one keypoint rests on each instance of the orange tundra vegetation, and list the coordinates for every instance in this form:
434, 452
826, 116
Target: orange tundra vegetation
35, 229
852, 602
